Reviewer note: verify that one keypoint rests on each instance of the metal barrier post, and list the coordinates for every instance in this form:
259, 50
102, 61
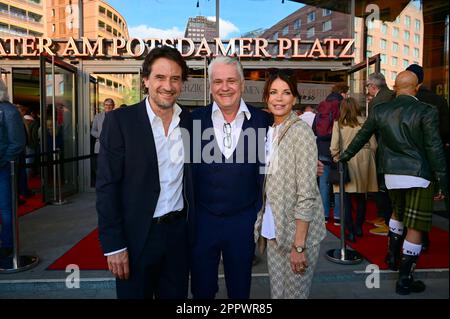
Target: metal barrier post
58, 201
343, 255
16, 262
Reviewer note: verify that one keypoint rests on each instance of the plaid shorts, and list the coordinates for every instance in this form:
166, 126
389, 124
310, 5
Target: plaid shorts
413, 206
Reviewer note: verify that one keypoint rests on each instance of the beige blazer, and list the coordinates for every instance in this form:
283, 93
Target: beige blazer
291, 187
362, 168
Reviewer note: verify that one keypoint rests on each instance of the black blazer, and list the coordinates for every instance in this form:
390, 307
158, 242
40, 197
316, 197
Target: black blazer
128, 179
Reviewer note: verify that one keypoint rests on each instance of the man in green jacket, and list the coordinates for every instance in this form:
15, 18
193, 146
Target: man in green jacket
411, 156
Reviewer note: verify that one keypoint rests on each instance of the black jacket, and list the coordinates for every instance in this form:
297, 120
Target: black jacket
128, 183
410, 142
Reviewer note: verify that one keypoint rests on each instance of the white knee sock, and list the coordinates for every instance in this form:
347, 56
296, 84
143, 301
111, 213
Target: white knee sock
396, 227
411, 249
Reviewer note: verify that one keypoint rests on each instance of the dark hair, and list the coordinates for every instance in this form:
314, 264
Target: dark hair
164, 52
340, 88
286, 75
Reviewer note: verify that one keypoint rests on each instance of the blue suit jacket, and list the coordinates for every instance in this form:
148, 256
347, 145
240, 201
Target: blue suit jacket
128, 184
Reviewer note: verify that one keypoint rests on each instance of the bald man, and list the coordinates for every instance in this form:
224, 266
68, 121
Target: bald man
411, 156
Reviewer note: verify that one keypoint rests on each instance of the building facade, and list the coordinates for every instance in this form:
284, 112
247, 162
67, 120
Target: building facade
22, 18
200, 27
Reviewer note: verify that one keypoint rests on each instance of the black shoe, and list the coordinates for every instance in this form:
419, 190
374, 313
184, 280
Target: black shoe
5, 252
21, 201
326, 219
406, 283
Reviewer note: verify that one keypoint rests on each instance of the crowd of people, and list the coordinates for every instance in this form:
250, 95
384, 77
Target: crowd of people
171, 207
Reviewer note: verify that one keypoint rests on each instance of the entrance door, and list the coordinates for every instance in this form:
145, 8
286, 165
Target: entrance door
59, 127
358, 76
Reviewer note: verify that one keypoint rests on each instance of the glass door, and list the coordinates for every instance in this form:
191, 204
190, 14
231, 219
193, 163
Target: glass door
59, 128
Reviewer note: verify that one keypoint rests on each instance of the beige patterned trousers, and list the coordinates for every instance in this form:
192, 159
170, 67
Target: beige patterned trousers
284, 284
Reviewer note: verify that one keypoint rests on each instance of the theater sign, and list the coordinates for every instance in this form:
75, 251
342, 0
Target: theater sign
260, 48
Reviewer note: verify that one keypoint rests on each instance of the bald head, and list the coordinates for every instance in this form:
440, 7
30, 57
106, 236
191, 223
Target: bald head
406, 82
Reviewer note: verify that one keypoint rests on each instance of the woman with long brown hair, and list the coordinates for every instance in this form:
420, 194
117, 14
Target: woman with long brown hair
291, 219
361, 168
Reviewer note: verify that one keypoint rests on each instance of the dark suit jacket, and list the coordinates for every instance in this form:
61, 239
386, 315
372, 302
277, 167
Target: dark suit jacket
384, 95
128, 179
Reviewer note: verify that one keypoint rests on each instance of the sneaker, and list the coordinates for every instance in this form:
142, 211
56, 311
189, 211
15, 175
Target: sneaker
337, 222
381, 230
326, 219
376, 221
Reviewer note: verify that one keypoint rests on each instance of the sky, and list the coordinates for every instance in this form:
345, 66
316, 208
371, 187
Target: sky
168, 18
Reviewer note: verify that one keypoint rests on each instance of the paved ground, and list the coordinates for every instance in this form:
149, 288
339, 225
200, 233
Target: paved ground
51, 231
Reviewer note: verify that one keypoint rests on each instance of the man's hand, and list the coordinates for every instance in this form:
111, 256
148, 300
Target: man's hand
118, 264
319, 168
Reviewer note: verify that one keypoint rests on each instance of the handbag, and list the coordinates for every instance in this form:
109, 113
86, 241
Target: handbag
333, 177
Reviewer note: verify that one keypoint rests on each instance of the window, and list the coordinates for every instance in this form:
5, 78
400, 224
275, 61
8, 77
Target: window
393, 75
405, 63
383, 44
416, 52
53, 12
406, 50
394, 61
102, 10
275, 36
416, 39
369, 53
383, 71
101, 24
53, 28
407, 21
397, 20
311, 17
395, 32
369, 41
326, 26
417, 25
383, 59
326, 12
285, 30
297, 24
384, 28
406, 35
310, 32
394, 47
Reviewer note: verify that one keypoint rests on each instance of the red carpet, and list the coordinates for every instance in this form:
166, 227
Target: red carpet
374, 247
87, 254
34, 202
31, 205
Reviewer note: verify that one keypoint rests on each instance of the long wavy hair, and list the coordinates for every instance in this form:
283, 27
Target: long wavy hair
349, 113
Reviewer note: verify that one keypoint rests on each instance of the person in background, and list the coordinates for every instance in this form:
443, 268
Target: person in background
97, 124
308, 114
361, 168
380, 93
12, 144
327, 113
291, 219
412, 157
427, 96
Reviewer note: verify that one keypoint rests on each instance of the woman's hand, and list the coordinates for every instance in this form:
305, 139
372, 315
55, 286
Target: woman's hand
298, 262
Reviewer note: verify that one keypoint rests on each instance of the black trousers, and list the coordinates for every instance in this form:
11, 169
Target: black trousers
161, 272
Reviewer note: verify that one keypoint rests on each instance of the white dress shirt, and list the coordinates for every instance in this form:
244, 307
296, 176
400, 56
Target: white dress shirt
268, 222
170, 153
236, 127
404, 181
